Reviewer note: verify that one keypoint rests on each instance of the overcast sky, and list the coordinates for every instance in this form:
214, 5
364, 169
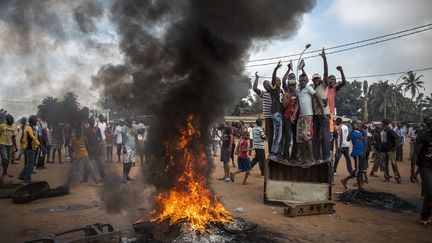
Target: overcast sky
67, 62
336, 22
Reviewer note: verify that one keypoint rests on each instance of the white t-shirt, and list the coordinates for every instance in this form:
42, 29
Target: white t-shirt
102, 128
305, 100
343, 136
250, 131
118, 133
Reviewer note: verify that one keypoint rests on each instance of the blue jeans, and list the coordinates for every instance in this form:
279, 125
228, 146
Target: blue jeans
30, 158
277, 146
345, 152
321, 137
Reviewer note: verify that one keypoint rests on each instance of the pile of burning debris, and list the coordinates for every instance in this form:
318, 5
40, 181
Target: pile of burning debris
239, 230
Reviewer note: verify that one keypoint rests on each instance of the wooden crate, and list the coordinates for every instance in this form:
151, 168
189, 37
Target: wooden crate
290, 182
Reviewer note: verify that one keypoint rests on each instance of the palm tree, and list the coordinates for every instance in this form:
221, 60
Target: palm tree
380, 99
49, 110
427, 102
412, 83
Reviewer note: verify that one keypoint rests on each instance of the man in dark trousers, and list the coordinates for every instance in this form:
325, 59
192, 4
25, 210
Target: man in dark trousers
94, 146
390, 141
422, 157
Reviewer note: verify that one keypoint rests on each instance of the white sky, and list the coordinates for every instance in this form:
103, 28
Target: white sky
336, 22
68, 66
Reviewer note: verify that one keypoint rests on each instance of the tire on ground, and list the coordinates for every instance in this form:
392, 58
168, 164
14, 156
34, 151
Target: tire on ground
30, 192
58, 191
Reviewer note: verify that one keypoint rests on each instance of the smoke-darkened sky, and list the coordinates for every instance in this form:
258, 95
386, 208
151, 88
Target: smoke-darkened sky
57, 46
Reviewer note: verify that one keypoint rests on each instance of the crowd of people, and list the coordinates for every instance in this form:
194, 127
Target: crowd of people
87, 146
299, 127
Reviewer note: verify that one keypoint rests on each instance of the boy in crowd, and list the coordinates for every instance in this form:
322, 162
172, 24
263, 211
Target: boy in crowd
109, 139
118, 133
258, 144
129, 147
289, 104
244, 164
358, 155
342, 146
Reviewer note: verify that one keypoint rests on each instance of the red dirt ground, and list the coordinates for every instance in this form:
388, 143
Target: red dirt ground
350, 223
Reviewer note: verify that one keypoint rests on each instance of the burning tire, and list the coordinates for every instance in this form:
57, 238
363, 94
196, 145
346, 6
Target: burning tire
58, 191
30, 192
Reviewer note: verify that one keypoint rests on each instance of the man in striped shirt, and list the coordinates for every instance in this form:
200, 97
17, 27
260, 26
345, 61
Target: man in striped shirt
258, 145
267, 102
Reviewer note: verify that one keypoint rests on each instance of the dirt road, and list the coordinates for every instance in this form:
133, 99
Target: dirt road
350, 223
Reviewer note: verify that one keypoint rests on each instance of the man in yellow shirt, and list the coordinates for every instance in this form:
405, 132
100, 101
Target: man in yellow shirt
30, 144
79, 145
7, 142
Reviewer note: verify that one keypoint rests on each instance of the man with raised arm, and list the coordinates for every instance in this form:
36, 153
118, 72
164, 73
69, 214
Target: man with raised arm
276, 94
321, 118
266, 108
333, 88
306, 94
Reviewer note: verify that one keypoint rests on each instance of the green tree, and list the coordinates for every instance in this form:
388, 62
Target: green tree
381, 100
412, 83
50, 110
349, 100
69, 108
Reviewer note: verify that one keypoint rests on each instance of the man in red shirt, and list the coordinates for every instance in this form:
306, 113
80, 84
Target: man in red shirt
331, 95
290, 118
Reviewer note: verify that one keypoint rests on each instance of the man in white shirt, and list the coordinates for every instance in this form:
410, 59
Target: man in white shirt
118, 133
342, 146
305, 95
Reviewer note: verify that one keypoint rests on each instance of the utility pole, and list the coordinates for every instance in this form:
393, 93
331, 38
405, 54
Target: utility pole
385, 107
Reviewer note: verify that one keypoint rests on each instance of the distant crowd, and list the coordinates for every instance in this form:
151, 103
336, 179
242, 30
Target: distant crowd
86, 146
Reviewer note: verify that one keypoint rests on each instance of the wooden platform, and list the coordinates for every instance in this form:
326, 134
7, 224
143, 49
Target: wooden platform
304, 189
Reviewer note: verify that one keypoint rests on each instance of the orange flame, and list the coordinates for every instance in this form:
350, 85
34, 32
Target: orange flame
190, 200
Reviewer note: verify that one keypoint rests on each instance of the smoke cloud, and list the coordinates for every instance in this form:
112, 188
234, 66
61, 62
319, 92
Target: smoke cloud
187, 57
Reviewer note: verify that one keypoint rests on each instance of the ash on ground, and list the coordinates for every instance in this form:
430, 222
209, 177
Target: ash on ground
380, 200
240, 231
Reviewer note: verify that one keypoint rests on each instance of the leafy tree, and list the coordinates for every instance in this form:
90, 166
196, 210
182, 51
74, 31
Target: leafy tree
348, 100
70, 107
412, 83
50, 110
381, 101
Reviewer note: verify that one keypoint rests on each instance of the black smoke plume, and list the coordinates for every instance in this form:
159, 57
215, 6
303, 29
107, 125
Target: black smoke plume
188, 57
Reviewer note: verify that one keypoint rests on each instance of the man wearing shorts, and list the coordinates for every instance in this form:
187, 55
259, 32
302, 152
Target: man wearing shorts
305, 95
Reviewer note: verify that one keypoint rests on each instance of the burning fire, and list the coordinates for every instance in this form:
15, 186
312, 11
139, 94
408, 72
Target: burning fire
190, 200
